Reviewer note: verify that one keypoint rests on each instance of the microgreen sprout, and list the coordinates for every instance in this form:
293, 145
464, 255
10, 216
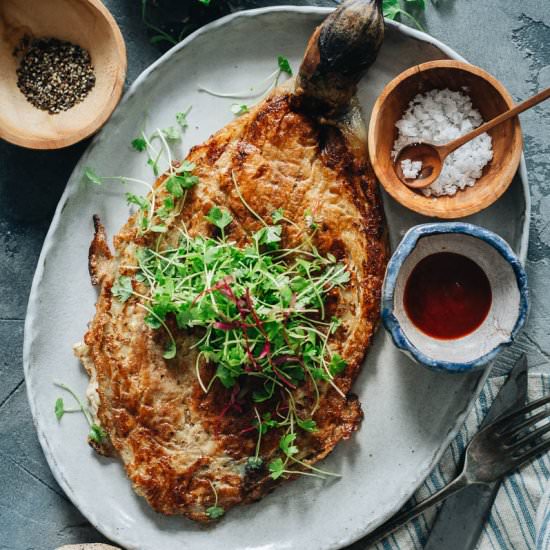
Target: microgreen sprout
259, 89
214, 512
239, 109
96, 433
169, 135
260, 310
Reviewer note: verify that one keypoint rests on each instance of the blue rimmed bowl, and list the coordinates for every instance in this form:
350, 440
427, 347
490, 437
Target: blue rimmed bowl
506, 316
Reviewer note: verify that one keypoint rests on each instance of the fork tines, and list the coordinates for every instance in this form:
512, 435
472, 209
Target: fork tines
518, 431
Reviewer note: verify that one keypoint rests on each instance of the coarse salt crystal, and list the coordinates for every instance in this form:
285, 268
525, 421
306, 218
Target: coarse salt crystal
437, 117
411, 168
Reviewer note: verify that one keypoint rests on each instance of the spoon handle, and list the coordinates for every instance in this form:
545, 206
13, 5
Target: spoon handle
519, 108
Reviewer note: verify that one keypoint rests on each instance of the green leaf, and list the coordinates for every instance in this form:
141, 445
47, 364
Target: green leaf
286, 444
152, 322
269, 234
341, 276
122, 288
226, 377
97, 433
284, 65
214, 512
392, 10
181, 118
139, 144
171, 133
154, 165
277, 468
308, 425
176, 183
170, 351
277, 215
239, 109
91, 176
254, 462
336, 365
220, 218
186, 166
59, 408
418, 4
138, 200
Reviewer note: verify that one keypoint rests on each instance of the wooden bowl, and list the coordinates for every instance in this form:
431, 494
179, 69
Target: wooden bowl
84, 22
488, 95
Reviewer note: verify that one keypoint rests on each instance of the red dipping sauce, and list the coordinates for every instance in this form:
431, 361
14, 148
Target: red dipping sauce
447, 295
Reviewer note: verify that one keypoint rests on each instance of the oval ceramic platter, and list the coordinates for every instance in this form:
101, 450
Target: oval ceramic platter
411, 413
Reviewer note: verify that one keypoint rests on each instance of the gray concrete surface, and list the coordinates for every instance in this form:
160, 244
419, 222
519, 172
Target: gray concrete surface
509, 38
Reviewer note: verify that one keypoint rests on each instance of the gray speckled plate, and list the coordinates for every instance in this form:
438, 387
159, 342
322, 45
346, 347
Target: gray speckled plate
411, 414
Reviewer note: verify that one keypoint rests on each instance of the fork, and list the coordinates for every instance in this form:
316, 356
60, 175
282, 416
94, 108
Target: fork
507, 443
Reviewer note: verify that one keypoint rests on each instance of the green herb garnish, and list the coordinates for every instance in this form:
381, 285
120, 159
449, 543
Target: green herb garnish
139, 144
239, 109
214, 512
59, 408
260, 89
284, 65
96, 433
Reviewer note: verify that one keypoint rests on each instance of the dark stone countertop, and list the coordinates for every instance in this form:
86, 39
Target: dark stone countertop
508, 38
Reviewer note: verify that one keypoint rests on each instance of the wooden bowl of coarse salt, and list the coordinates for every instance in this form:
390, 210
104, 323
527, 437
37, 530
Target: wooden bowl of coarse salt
63, 65
437, 102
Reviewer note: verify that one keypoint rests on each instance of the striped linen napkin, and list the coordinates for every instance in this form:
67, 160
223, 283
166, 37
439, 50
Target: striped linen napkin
520, 517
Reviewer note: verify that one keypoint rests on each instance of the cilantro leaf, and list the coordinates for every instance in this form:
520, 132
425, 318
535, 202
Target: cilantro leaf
59, 408
139, 144
284, 65
215, 512
220, 218
91, 176
122, 288
277, 468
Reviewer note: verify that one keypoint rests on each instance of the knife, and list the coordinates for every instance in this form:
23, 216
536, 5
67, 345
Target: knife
462, 516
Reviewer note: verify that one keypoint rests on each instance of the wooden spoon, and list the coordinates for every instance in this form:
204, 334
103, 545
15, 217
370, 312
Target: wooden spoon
433, 156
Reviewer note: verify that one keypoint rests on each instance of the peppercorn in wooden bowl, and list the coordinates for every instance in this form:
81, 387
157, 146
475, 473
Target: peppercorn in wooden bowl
63, 64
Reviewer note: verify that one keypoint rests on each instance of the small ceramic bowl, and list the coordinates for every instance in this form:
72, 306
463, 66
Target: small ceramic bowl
506, 315
86, 23
488, 95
